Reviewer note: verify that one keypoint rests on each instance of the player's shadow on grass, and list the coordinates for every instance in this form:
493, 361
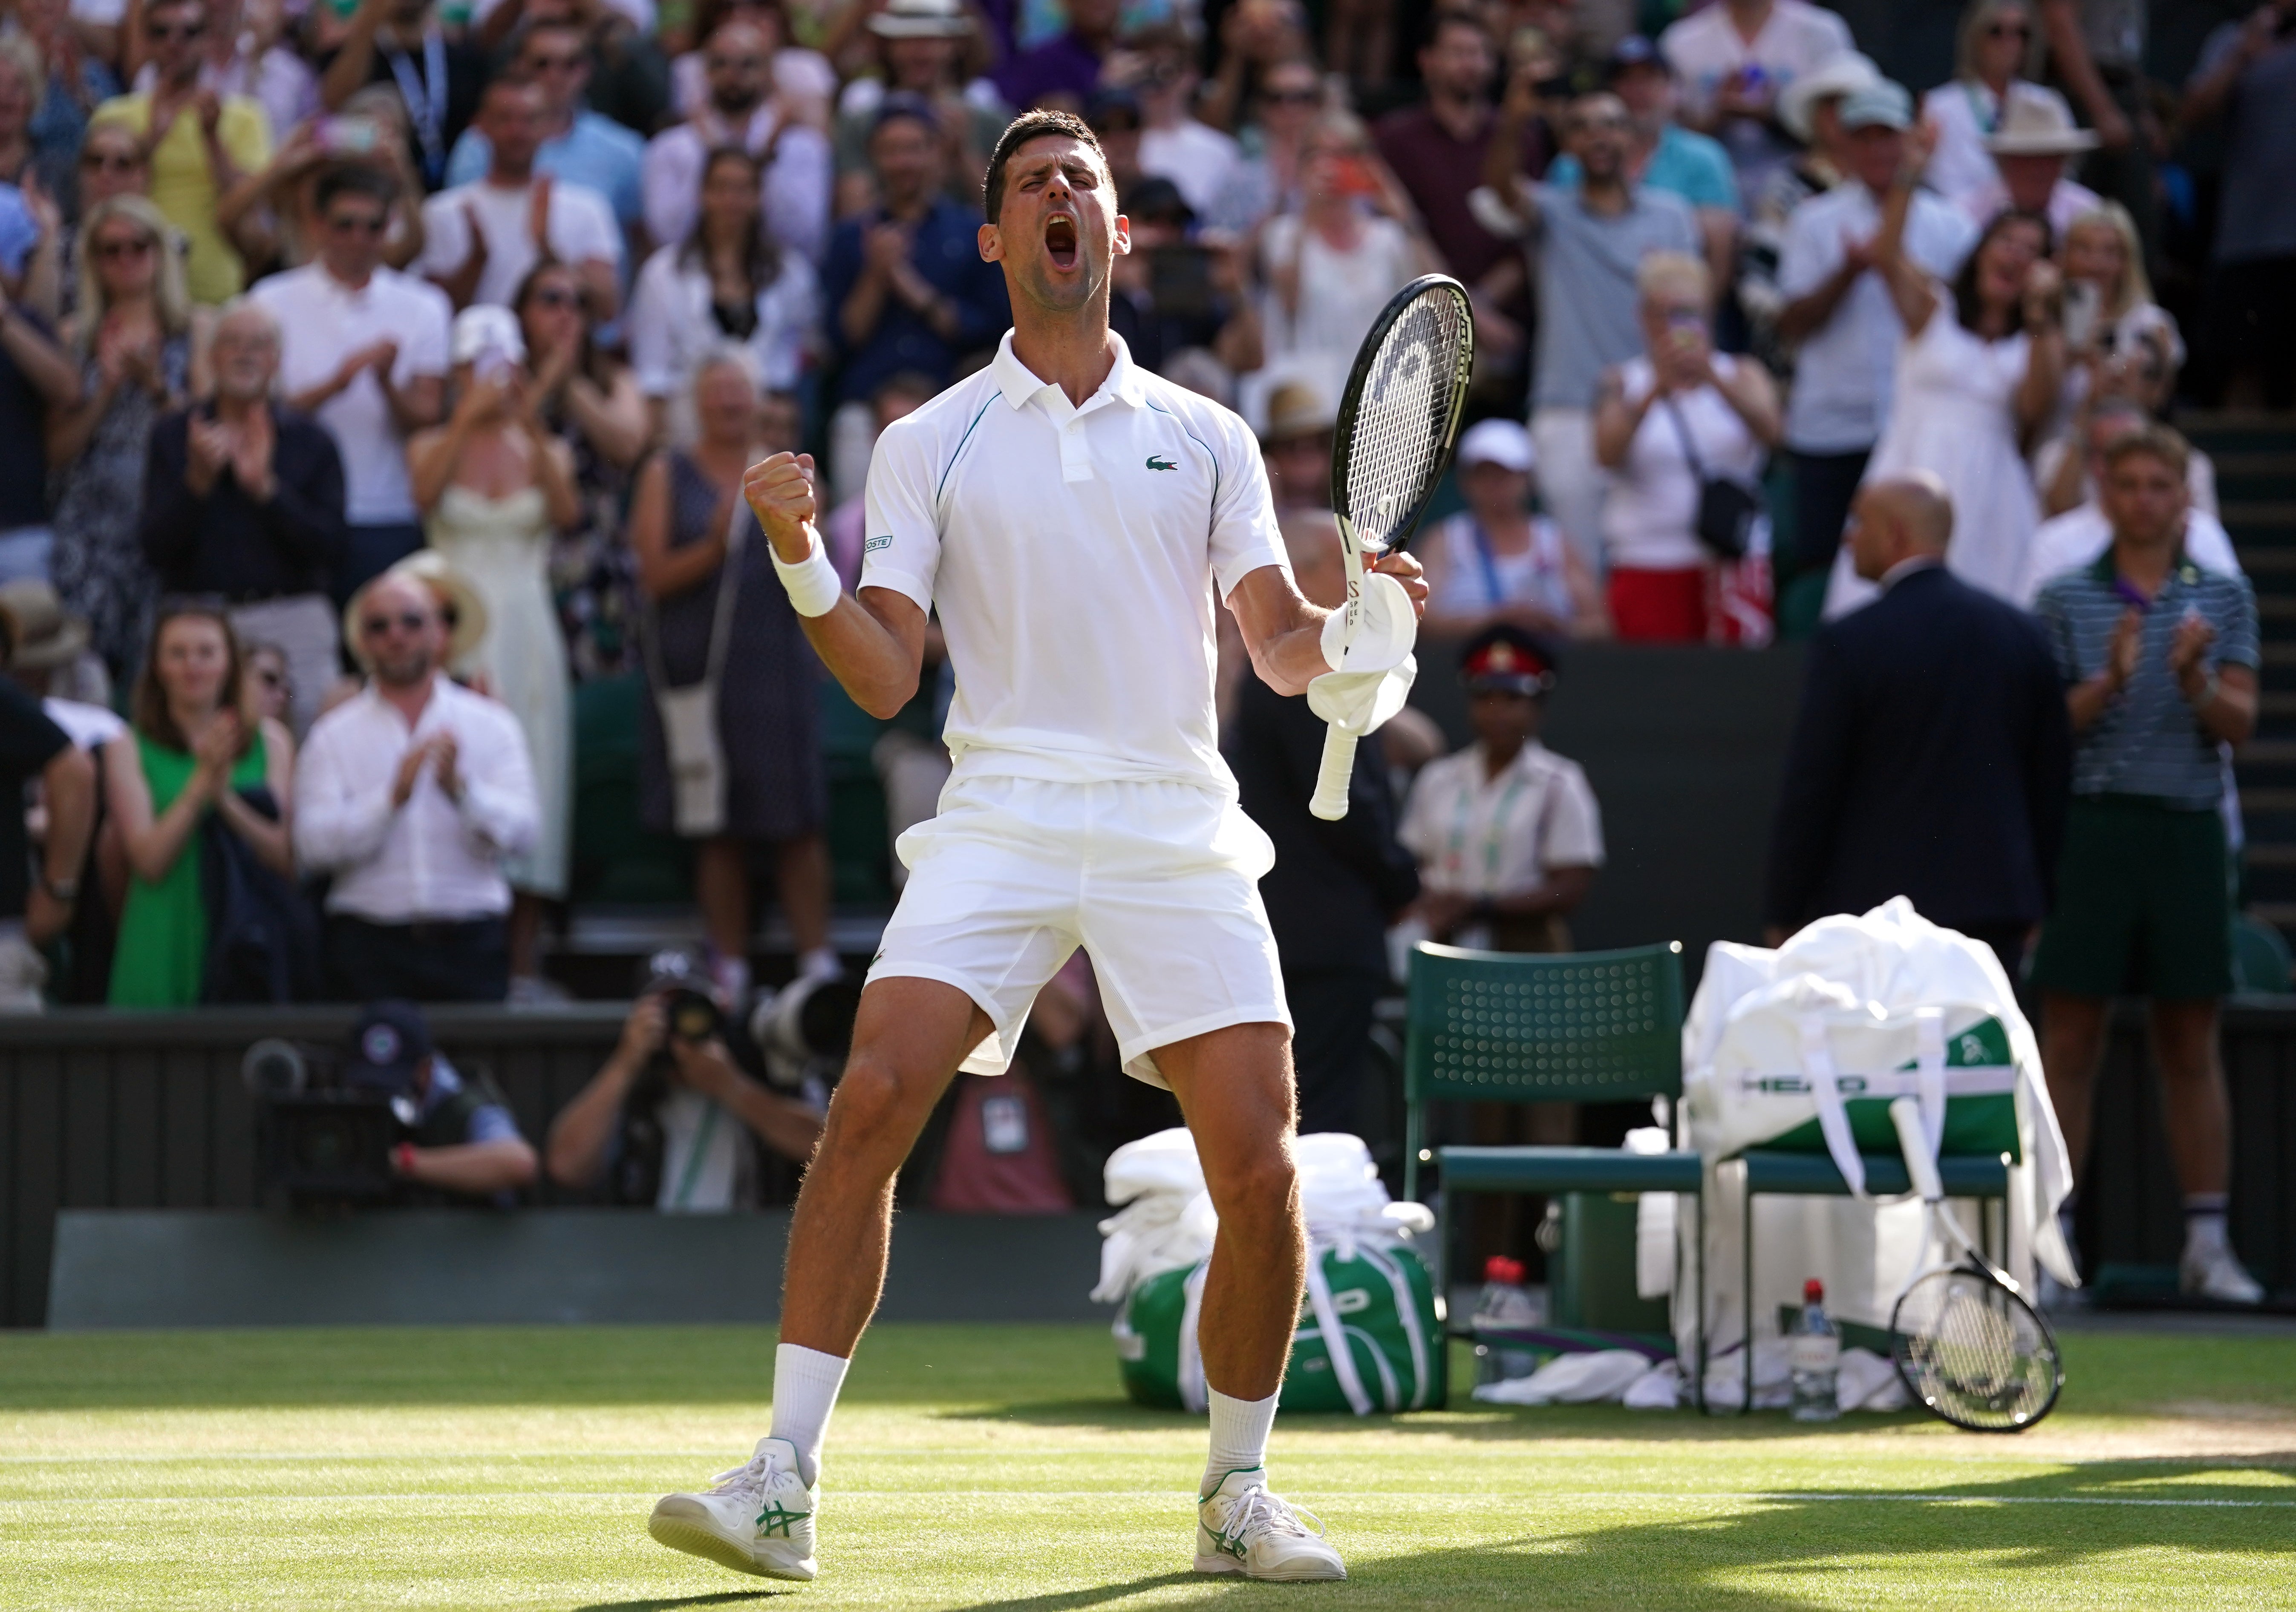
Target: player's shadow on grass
1717, 1559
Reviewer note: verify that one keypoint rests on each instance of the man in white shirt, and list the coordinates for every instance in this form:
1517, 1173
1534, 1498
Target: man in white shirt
1173, 146
364, 349
480, 239
411, 794
1839, 313
796, 187
1073, 535
1732, 60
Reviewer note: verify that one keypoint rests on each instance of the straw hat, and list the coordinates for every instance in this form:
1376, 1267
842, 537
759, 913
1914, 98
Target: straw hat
452, 589
1849, 71
2038, 126
41, 636
1296, 409
920, 20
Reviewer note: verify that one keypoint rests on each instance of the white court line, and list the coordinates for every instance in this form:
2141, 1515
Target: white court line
1335, 1501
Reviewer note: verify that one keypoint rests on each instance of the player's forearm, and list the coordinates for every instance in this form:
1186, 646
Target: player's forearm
872, 663
1289, 661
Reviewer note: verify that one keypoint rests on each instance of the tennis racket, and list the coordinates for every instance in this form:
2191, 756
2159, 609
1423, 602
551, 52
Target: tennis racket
1398, 421
1966, 1344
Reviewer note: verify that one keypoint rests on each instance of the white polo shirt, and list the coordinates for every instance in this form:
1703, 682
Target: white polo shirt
1484, 836
320, 322
580, 225
1073, 554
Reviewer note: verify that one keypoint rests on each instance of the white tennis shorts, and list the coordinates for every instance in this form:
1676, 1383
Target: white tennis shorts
1158, 881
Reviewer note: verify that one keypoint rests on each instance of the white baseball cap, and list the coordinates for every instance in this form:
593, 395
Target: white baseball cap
1501, 442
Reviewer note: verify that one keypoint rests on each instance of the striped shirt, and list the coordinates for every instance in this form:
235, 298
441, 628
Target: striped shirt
2148, 741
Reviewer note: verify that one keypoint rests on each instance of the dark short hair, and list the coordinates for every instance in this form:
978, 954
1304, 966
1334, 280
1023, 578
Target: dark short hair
354, 179
2155, 441
1449, 16
1027, 127
902, 104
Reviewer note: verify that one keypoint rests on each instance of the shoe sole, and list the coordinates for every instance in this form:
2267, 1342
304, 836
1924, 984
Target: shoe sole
698, 1539
1306, 1572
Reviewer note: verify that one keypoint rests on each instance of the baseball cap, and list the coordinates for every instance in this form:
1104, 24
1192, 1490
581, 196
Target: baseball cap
902, 104
390, 1039
1501, 442
1881, 104
1634, 51
1506, 660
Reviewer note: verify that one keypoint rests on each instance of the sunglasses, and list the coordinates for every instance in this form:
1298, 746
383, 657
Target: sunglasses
1292, 97
408, 621
187, 31
553, 64
552, 297
115, 248
2007, 30
117, 163
356, 224
719, 64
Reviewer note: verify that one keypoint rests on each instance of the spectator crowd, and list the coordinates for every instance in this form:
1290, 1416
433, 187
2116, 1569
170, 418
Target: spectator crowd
374, 375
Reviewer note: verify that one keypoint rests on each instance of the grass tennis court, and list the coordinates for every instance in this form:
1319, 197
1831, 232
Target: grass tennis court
997, 1466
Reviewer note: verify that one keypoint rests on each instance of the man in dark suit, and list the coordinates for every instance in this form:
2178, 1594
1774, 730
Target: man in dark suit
1932, 755
1335, 886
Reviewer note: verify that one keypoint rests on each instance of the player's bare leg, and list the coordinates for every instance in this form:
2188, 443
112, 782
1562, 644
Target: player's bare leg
907, 1041
1235, 1090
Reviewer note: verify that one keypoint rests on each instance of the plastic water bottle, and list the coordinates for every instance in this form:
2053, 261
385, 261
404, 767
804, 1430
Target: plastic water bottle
1505, 1303
1814, 1356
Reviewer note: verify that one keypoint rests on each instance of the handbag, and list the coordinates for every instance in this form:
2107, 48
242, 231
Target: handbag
689, 713
1727, 509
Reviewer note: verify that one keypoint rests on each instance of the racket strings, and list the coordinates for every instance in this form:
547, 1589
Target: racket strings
1404, 415
1974, 1353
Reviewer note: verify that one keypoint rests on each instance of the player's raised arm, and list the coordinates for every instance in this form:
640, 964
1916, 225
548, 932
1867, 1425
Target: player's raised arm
1284, 633
873, 646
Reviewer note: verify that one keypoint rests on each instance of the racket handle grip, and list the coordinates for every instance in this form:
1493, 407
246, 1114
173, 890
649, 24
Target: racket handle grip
1905, 1114
1331, 801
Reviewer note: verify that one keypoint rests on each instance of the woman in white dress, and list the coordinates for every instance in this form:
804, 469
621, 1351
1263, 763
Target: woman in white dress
494, 485
1977, 375
1331, 266
1996, 45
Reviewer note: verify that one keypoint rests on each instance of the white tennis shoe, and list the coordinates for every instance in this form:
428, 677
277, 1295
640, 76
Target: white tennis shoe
756, 1518
1242, 1528
2218, 1274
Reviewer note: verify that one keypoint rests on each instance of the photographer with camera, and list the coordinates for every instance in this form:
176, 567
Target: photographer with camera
663, 1122
456, 1138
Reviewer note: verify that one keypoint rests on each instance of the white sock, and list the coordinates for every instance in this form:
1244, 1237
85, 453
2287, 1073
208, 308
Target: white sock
2204, 1223
805, 1392
1238, 1436
821, 962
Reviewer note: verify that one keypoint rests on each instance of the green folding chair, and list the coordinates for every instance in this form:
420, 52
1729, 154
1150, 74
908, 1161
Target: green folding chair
1584, 1026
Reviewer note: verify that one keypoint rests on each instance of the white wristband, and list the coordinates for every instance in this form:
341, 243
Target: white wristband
812, 581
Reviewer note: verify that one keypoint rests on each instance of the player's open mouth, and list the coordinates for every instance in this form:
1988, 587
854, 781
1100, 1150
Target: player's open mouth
1061, 241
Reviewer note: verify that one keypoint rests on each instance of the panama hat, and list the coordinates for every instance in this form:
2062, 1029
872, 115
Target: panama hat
448, 585
1296, 409
920, 20
1850, 71
40, 634
2038, 126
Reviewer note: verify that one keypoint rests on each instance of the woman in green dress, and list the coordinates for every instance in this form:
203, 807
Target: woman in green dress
198, 750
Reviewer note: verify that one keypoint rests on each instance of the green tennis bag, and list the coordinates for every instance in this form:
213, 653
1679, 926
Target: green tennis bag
1367, 1338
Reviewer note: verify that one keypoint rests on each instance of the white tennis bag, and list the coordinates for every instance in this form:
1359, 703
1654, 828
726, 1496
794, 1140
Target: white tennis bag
1803, 1048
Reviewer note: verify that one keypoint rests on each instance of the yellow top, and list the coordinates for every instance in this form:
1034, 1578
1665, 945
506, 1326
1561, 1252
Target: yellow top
184, 184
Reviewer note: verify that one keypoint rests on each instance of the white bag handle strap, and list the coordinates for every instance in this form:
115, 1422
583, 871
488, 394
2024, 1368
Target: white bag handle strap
1407, 1316
1832, 1118
1190, 1367
1335, 1336
1928, 1073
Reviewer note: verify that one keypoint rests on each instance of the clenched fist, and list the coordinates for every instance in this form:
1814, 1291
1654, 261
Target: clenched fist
780, 491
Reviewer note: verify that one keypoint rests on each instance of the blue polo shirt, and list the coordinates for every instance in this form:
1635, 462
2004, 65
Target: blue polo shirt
2147, 742
947, 251
596, 152
1686, 164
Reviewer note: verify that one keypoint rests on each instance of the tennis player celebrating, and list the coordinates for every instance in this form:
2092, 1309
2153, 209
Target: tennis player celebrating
1068, 515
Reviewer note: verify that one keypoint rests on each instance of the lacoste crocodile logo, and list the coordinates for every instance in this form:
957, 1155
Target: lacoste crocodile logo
1157, 462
